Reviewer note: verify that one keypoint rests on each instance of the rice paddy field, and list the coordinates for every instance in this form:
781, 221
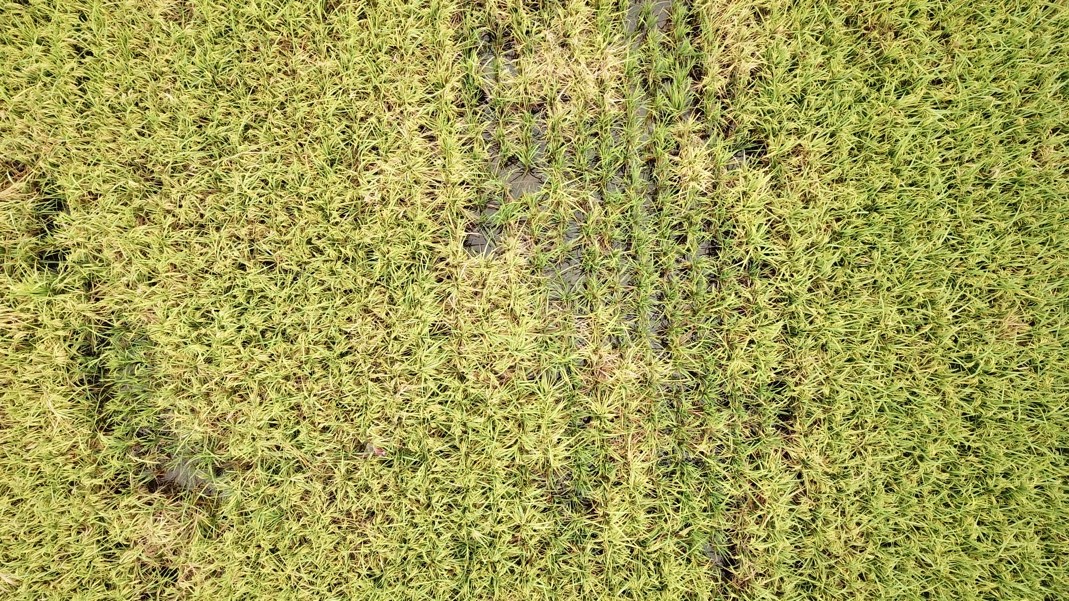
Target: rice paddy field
534, 299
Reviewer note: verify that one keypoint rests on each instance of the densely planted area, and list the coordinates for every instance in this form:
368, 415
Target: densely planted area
534, 299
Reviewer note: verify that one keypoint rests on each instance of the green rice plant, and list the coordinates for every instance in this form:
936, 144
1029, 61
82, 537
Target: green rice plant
534, 299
